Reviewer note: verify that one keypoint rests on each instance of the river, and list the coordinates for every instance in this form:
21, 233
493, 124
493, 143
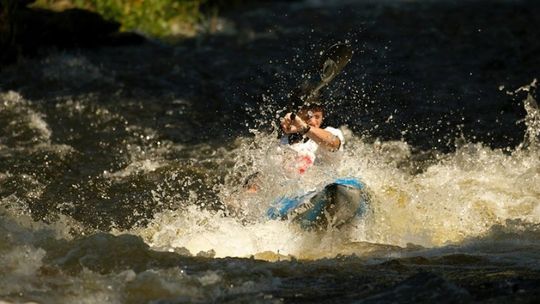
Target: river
117, 164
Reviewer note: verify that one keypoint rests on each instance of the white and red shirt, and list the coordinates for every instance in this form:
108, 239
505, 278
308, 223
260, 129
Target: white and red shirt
309, 153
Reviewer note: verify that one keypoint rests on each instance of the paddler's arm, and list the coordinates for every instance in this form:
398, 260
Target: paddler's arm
322, 137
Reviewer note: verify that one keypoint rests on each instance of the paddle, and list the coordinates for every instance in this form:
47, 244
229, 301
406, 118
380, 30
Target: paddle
333, 60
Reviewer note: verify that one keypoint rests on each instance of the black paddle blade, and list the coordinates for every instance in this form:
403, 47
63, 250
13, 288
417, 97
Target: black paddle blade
334, 60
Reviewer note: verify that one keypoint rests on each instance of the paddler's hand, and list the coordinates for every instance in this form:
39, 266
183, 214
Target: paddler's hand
295, 125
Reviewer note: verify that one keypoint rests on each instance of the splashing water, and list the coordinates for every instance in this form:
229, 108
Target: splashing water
532, 120
455, 198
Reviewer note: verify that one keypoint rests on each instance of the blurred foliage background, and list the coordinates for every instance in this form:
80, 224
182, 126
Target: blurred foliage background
157, 18
27, 25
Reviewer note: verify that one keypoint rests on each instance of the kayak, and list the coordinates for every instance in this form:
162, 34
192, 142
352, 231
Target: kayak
337, 204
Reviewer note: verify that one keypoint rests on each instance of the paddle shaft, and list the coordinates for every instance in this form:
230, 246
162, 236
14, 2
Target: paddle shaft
333, 61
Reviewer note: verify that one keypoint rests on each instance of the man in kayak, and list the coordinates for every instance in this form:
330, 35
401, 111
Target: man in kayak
341, 200
309, 146
304, 145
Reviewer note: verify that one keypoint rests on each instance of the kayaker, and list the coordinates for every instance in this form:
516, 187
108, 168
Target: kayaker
314, 145
311, 144
306, 144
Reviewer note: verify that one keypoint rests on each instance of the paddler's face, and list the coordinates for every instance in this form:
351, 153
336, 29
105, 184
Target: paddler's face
313, 118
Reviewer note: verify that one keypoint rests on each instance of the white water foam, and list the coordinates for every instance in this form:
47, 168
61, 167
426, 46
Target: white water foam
23, 117
460, 197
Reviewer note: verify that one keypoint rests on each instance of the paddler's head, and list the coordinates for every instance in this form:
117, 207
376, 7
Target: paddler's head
312, 113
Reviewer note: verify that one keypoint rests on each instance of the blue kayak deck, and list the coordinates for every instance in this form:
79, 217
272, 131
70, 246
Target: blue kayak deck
335, 205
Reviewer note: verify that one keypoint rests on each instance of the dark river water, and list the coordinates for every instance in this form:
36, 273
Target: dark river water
120, 166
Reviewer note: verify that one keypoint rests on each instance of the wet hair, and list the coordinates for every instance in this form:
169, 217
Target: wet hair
315, 106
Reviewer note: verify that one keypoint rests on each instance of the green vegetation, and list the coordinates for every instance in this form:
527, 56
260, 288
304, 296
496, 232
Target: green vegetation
159, 18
